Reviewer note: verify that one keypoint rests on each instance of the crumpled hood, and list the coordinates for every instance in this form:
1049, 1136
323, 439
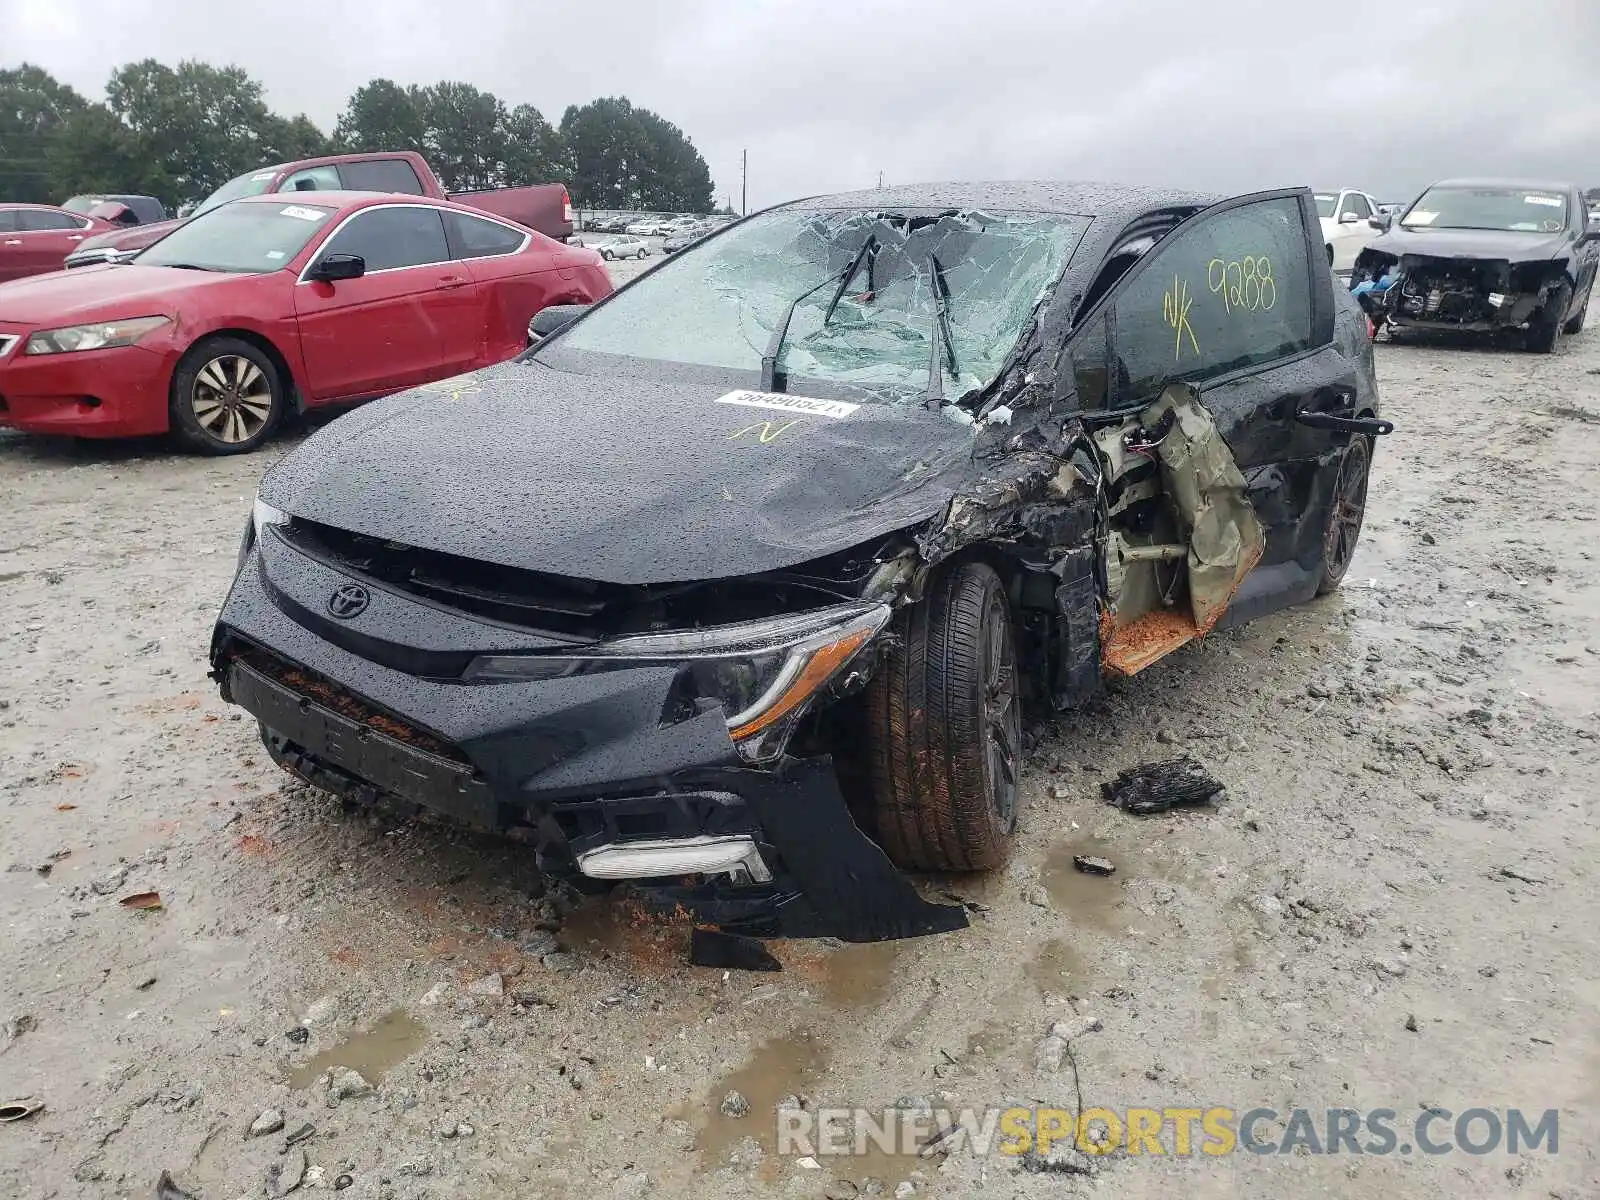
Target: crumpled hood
1470, 243
620, 479
135, 237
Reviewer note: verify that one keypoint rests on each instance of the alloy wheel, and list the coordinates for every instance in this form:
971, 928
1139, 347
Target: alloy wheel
231, 399
1002, 713
1349, 507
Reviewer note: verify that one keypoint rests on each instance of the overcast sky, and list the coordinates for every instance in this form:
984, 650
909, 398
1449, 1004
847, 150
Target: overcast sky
1223, 95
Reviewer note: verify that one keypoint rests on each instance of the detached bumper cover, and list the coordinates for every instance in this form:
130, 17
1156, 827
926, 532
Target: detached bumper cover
574, 766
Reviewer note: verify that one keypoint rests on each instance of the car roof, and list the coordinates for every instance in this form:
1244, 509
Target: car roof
1084, 199
333, 198
44, 207
1534, 185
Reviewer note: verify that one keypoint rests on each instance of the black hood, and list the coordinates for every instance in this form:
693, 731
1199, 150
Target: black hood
1471, 243
619, 479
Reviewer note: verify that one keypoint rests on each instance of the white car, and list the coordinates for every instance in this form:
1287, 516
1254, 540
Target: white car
646, 228
1346, 225
621, 247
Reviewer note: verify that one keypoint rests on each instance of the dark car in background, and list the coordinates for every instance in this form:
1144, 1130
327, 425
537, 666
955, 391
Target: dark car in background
118, 209
736, 585
1484, 256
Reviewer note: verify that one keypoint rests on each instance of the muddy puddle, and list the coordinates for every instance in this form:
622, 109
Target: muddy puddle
796, 1066
374, 1053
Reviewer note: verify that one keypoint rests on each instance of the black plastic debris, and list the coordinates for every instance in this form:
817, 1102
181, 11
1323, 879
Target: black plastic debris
166, 1189
1089, 864
713, 948
1156, 787
299, 1035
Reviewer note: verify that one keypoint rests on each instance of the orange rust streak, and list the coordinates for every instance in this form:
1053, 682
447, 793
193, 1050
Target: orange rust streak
1137, 645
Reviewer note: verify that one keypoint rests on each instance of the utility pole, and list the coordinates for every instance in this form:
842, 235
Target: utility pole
880, 181
744, 182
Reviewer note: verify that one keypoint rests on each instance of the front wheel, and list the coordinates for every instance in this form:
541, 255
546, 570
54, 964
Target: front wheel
643, 253
606, 254
1576, 324
1546, 327
944, 736
227, 397
1346, 513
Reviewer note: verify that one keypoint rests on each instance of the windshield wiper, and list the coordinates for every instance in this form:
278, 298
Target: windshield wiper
189, 267
867, 254
943, 341
769, 360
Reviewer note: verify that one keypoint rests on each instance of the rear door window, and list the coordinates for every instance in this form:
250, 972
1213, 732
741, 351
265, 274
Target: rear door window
8, 220
1356, 203
382, 175
1230, 291
37, 220
391, 238
471, 237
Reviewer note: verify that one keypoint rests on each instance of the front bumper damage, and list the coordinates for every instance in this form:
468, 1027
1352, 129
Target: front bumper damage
581, 768
1465, 295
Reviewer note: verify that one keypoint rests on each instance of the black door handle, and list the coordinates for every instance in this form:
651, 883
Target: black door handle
1371, 426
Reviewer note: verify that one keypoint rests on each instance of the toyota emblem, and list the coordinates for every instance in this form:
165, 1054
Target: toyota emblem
349, 601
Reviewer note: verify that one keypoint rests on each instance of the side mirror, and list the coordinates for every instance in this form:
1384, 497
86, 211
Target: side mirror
334, 267
552, 320
1381, 222
1348, 218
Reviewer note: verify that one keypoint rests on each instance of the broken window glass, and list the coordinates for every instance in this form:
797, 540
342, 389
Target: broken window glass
721, 303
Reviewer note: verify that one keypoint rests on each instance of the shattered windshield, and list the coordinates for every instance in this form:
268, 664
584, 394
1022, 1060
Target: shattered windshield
1326, 203
1512, 210
898, 305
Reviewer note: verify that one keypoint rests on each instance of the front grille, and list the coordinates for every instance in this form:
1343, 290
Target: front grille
578, 608
324, 691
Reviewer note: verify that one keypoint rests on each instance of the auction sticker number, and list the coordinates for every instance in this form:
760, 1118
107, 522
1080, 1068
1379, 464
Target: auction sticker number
1245, 284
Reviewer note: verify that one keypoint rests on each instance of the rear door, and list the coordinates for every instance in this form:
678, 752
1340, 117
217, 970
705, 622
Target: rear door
414, 317
1238, 301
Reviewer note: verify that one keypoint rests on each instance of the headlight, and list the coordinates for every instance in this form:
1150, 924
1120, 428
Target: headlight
262, 514
763, 673
103, 335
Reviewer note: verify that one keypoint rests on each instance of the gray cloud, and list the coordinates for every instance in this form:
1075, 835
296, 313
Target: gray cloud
1224, 95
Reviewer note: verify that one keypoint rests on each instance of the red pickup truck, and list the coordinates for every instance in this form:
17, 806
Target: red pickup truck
545, 207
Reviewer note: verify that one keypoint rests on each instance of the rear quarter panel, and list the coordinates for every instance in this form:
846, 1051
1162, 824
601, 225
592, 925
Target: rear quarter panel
516, 287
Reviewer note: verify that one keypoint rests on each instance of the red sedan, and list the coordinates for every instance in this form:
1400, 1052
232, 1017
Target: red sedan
34, 238
264, 306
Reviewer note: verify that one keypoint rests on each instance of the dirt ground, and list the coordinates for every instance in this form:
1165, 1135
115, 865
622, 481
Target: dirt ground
1394, 906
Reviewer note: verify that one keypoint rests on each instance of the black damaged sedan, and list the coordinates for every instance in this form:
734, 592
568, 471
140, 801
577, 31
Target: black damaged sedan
737, 585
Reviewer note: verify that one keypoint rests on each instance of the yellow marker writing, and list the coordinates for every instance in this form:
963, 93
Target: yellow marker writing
1175, 306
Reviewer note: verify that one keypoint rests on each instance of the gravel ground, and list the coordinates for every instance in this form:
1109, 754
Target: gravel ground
1394, 905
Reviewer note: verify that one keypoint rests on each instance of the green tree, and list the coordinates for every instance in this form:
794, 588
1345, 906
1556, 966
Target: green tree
466, 137
535, 151
627, 157
34, 107
95, 152
199, 125
382, 115
285, 140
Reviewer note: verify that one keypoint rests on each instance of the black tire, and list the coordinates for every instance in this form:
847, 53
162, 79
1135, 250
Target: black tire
944, 728
606, 254
1576, 324
227, 397
1345, 514
1546, 327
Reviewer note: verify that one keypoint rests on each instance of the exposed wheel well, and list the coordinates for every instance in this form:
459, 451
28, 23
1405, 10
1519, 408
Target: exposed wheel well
265, 345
